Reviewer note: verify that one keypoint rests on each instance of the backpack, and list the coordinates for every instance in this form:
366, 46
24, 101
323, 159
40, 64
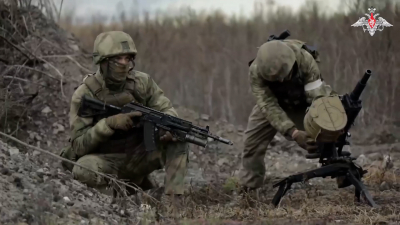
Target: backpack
310, 49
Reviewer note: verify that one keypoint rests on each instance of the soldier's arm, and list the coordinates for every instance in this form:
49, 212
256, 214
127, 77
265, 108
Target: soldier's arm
268, 104
314, 86
156, 99
86, 136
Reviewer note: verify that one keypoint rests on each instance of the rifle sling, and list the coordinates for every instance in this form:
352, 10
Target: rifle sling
94, 86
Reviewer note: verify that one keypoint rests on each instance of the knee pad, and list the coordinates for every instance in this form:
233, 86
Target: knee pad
88, 177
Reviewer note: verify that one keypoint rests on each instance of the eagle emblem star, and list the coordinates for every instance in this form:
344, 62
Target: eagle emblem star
371, 22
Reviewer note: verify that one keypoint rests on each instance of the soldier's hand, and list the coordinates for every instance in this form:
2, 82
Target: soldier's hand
166, 136
122, 121
304, 141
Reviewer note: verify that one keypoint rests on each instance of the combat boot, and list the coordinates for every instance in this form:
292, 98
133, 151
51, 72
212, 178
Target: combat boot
106, 190
246, 197
153, 197
251, 196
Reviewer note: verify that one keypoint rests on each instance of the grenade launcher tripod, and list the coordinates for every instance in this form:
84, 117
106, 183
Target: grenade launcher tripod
335, 162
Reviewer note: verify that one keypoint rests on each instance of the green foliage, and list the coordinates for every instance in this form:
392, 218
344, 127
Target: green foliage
231, 184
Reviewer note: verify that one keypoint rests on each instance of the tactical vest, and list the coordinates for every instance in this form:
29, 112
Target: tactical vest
120, 141
290, 93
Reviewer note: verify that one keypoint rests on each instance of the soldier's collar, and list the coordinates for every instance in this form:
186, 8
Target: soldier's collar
131, 74
100, 79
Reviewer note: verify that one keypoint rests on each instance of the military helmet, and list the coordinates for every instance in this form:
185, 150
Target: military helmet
275, 60
112, 43
325, 119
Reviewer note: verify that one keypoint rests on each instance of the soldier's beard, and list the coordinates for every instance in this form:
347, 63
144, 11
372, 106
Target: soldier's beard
114, 75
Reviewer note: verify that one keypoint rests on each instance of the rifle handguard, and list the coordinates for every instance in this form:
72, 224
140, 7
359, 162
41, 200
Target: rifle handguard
194, 140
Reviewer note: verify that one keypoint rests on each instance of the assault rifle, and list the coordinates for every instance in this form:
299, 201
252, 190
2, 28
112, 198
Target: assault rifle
335, 162
152, 120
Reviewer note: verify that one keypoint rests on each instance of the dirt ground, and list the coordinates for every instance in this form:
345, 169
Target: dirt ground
35, 189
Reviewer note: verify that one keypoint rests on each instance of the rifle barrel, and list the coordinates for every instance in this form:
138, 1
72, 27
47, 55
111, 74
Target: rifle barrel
225, 141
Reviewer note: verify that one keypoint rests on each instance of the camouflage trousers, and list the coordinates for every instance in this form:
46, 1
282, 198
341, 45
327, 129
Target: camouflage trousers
258, 135
172, 156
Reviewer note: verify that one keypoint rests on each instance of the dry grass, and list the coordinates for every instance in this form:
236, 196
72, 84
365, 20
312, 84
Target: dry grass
200, 61
321, 204
382, 172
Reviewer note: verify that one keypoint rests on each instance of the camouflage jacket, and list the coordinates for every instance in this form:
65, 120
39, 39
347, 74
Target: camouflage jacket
87, 135
309, 76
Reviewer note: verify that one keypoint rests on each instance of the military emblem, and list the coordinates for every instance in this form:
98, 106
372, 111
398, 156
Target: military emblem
372, 23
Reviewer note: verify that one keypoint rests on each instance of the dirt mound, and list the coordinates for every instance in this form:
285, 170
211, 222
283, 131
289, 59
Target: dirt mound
40, 65
36, 190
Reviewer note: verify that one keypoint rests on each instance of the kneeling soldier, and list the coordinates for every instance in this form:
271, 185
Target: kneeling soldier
112, 145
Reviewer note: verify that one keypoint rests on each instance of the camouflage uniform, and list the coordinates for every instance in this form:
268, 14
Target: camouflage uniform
284, 78
97, 146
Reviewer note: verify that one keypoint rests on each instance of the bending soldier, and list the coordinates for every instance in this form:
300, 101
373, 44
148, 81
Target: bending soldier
112, 145
284, 79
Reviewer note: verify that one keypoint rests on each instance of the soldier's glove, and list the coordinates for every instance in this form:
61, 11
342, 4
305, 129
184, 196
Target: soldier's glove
166, 136
122, 121
304, 141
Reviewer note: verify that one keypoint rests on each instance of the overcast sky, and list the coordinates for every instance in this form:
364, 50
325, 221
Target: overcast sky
87, 8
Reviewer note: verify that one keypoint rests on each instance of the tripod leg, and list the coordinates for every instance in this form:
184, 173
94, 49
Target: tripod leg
283, 188
358, 195
361, 189
285, 184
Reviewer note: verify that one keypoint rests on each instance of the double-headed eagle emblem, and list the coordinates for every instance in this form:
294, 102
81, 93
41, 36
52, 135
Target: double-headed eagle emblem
372, 23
